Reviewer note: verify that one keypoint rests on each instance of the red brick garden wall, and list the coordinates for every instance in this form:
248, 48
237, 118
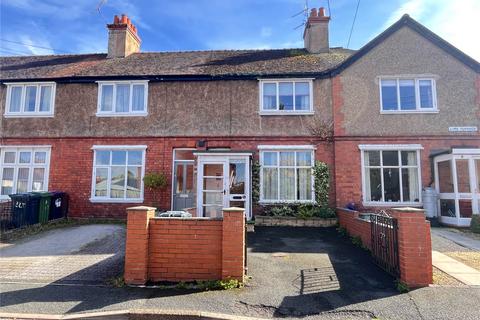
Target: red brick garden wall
414, 242
184, 249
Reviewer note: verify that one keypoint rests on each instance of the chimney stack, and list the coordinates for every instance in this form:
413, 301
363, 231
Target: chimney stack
123, 39
315, 36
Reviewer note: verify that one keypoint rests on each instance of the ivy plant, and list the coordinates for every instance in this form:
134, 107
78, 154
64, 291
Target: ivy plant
321, 174
255, 182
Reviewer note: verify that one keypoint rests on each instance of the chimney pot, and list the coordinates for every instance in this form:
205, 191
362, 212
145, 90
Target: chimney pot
313, 12
124, 19
321, 12
116, 20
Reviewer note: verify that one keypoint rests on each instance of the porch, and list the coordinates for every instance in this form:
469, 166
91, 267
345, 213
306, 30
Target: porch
457, 183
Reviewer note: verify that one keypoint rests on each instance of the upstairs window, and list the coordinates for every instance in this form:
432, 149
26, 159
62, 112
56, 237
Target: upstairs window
407, 95
286, 96
123, 98
30, 99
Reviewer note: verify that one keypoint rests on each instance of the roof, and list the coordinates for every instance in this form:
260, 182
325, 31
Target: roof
215, 64
224, 63
407, 21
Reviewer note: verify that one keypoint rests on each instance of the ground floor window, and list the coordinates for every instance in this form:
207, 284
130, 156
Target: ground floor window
391, 174
118, 173
23, 169
286, 175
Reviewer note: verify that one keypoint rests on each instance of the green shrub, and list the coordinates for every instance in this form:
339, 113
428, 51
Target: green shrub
324, 212
357, 241
475, 224
321, 175
154, 181
282, 211
342, 231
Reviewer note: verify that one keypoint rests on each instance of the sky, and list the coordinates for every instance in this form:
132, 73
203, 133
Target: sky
38, 27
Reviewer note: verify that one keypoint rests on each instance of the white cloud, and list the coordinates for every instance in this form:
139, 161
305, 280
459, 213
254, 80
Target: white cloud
456, 21
34, 46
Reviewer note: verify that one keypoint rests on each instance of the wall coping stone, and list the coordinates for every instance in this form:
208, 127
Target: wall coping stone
234, 209
409, 209
189, 218
141, 208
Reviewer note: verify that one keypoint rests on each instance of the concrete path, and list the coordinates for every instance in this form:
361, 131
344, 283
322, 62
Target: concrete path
458, 238
456, 269
89, 254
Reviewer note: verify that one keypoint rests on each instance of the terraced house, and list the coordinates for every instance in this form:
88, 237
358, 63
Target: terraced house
398, 115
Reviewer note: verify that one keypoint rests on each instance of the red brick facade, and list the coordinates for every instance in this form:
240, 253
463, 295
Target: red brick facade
71, 165
176, 249
348, 174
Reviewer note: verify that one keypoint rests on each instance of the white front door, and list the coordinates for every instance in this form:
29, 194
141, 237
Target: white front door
223, 181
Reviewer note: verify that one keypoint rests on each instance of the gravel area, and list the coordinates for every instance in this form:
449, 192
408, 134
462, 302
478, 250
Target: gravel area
470, 258
443, 279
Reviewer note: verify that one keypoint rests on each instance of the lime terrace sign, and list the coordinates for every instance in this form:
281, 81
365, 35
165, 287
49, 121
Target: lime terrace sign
462, 129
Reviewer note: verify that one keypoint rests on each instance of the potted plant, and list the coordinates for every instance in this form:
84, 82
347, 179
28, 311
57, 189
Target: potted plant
154, 182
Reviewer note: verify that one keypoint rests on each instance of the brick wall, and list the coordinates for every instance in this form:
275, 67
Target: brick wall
414, 242
355, 226
72, 162
184, 249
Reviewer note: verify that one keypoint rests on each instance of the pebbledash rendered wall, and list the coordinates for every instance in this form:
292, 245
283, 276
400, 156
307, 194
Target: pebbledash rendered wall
71, 165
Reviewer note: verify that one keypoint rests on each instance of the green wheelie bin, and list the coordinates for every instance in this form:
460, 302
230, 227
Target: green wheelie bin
44, 206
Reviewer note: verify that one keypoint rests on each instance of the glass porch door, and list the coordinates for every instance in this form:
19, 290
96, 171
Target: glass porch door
223, 181
457, 180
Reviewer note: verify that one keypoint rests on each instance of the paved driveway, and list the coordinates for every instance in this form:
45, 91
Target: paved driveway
311, 273
87, 254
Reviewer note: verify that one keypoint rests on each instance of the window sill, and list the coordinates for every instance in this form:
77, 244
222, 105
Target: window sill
392, 204
23, 115
286, 113
285, 201
96, 200
111, 115
410, 112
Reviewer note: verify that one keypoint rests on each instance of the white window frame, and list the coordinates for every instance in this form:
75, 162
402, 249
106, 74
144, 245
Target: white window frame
418, 108
29, 114
285, 112
107, 199
21, 148
130, 112
391, 147
286, 148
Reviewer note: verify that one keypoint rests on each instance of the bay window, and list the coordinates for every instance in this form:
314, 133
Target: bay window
122, 98
391, 174
23, 169
118, 173
407, 95
286, 175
